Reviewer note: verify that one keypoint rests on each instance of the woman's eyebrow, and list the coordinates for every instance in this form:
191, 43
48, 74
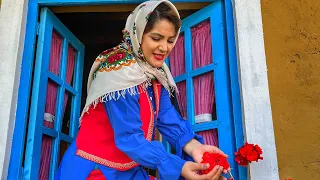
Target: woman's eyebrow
157, 34
161, 36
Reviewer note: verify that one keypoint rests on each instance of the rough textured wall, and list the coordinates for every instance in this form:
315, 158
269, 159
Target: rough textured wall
292, 41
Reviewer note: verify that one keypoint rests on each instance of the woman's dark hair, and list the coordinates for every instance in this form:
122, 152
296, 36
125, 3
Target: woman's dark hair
163, 11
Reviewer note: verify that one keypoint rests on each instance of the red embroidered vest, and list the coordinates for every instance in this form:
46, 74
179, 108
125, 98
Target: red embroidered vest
95, 140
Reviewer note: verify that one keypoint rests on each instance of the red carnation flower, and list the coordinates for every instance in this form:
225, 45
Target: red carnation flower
214, 159
258, 149
241, 160
248, 153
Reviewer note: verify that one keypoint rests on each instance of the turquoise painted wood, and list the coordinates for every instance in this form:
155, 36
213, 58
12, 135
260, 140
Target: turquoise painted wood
36, 130
180, 78
92, 2
202, 70
222, 86
208, 125
235, 87
34, 135
224, 122
15, 166
189, 82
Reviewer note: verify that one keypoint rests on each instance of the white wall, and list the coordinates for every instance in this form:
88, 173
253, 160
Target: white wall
12, 32
256, 109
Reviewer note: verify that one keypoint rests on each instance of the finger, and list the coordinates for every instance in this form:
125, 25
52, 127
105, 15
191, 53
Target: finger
211, 174
218, 174
201, 177
225, 171
197, 176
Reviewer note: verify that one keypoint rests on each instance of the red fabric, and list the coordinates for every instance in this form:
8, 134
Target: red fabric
51, 98
204, 95
178, 66
96, 175
157, 88
182, 98
202, 56
210, 137
50, 107
96, 136
177, 58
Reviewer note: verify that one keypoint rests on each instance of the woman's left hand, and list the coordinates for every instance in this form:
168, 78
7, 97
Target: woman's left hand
198, 152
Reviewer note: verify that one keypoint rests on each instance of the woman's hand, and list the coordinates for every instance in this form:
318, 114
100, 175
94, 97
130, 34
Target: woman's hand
195, 149
190, 171
198, 152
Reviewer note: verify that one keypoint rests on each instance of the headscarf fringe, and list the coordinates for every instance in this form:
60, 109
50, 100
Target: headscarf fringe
115, 95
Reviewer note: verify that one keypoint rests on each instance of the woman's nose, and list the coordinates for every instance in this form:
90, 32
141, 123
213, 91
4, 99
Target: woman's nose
163, 47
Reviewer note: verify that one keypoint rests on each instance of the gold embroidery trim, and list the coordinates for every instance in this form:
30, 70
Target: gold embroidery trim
151, 124
116, 68
155, 87
105, 162
100, 59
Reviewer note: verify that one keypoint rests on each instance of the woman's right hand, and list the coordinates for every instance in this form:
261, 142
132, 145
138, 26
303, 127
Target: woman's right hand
190, 171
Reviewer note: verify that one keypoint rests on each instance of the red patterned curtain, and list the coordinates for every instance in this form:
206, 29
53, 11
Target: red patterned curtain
203, 84
178, 67
51, 100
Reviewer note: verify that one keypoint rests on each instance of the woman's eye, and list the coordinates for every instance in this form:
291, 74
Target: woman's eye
170, 42
156, 39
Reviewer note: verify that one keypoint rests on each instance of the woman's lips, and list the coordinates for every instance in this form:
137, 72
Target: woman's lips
158, 57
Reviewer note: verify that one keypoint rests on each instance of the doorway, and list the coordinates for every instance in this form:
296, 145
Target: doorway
98, 31
99, 28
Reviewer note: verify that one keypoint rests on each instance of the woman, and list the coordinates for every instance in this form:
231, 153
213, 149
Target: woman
129, 90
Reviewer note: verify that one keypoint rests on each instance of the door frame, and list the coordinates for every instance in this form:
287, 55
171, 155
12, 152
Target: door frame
15, 172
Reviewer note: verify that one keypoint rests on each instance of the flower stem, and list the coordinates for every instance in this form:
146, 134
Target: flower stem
231, 175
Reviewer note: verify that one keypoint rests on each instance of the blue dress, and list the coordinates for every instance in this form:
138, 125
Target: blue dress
124, 116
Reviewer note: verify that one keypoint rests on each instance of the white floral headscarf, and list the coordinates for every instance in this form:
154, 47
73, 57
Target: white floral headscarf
111, 79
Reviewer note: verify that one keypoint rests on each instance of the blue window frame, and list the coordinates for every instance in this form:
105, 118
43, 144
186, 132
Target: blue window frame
42, 75
15, 168
214, 13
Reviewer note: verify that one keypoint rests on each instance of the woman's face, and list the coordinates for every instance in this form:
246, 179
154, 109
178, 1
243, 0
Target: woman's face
158, 43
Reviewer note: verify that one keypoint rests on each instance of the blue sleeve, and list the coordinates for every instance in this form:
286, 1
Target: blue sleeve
173, 127
124, 116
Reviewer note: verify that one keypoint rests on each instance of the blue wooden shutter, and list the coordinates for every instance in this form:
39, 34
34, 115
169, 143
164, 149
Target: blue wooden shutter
223, 122
36, 130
